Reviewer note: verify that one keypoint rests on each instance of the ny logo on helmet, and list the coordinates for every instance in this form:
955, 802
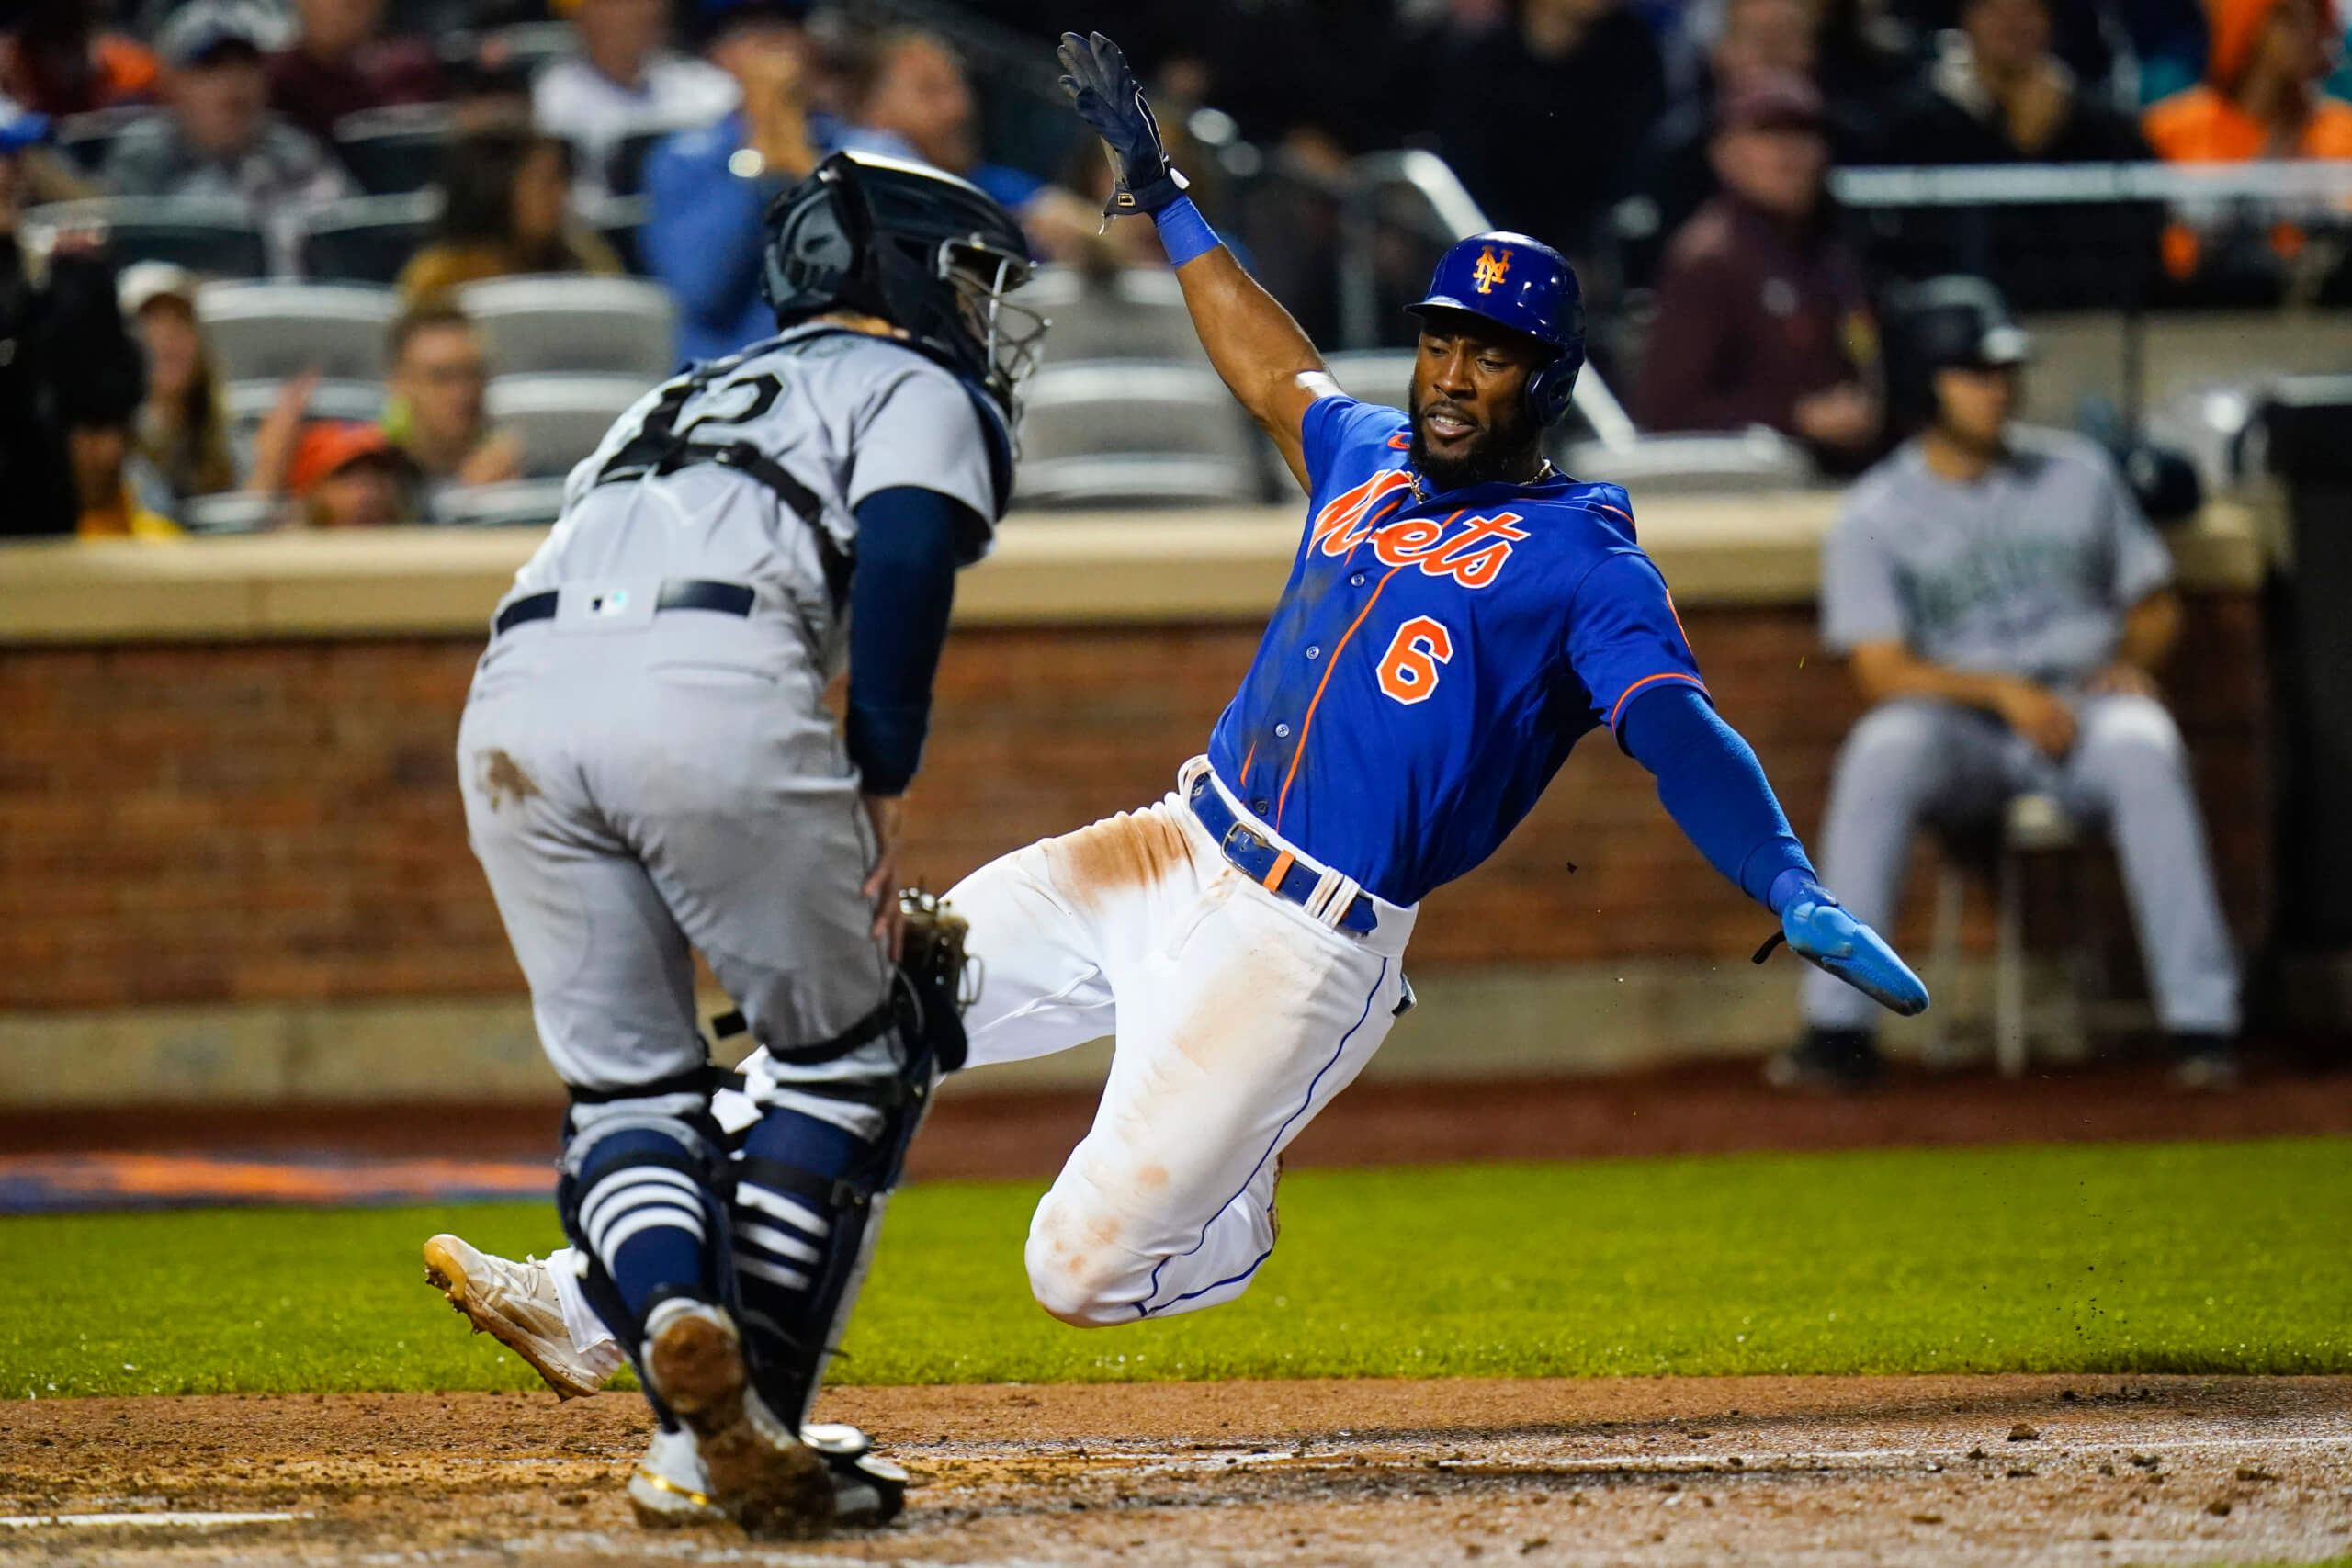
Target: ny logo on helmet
1491, 269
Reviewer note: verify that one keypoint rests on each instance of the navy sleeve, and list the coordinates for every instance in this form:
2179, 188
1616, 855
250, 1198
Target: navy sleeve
1711, 784
899, 596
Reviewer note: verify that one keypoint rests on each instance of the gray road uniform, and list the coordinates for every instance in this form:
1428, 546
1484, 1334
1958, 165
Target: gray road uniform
652, 766
2027, 571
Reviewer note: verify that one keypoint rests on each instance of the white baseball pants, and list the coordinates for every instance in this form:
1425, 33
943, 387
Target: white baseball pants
1237, 1017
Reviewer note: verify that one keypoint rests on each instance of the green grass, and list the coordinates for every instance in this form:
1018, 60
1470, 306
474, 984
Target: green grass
2178, 1258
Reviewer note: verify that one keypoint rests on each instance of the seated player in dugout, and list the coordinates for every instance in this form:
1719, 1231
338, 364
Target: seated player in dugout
2006, 609
1459, 615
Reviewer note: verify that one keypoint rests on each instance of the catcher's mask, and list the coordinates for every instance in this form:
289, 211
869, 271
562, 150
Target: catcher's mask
926, 252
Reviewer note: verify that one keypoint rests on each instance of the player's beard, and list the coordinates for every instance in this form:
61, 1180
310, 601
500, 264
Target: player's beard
1498, 452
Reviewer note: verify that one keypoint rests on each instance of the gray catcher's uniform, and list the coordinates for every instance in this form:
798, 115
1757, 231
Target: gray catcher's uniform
639, 779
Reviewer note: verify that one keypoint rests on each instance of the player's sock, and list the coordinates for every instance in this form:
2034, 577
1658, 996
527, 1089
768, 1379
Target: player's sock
644, 1214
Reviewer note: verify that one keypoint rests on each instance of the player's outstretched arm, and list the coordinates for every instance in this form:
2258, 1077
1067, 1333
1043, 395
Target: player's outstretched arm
1711, 784
1268, 363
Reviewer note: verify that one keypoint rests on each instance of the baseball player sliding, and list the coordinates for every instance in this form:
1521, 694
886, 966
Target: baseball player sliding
1459, 615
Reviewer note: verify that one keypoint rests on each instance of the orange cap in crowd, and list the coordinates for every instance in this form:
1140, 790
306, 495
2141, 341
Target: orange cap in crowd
331, 446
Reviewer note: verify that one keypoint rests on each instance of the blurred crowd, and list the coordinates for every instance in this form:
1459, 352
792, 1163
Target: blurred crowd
1678, 148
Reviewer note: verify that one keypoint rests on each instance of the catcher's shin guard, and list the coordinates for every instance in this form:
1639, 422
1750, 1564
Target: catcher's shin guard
637, 1198
814, 1176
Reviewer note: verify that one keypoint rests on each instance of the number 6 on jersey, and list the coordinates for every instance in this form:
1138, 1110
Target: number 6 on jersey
1408, 670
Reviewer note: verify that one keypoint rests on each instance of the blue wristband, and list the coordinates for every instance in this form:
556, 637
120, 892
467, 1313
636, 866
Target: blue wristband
1794, 883
1184, 233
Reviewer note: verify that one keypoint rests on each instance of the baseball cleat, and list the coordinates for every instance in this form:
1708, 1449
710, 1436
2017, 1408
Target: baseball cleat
761, 1474
515, 1304
670, 1489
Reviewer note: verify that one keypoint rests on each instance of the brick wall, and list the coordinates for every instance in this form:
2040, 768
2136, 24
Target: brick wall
280, 822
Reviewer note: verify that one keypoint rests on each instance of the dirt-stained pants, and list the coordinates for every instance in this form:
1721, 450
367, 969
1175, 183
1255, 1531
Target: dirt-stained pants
1237, 1018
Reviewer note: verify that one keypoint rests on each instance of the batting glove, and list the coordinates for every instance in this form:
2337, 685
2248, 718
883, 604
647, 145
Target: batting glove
1104, 89
1818, 930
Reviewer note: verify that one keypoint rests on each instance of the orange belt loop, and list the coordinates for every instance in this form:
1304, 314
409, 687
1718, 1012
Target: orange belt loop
1274, 883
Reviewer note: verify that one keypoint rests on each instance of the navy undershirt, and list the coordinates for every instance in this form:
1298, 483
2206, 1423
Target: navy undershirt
899, 595
1711, 784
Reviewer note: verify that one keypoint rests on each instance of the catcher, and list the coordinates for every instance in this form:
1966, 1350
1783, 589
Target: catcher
649, 769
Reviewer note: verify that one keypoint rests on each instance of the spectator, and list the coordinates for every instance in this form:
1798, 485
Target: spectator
707, 189
1762, 315
2260, 97
68, 354
1996, 93
1543, 118
1675, 176
347, 474
219, 138
56, 60
917, 91
435, 414
624, 80
182, 430
505, 209
99, 450
2007, 609
339, 65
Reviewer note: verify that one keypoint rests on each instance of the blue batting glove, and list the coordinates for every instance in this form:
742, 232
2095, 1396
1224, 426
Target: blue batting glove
1825, 936
1102, 88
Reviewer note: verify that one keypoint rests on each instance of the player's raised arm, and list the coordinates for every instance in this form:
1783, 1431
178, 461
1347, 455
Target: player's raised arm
1268, 363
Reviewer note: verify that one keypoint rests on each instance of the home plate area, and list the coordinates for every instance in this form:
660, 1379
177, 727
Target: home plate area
1920, 1470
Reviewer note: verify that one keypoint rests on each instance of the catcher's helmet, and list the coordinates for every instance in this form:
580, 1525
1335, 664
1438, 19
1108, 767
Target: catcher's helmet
923, 250
1524, 285
1945, 323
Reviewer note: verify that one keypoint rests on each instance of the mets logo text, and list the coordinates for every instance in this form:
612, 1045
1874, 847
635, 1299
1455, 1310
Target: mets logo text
1491, 269
1473, 555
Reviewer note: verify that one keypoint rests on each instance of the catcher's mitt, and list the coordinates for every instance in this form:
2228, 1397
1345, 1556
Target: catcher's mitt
940, 977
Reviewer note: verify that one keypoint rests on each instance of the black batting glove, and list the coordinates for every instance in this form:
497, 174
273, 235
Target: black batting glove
1104, 89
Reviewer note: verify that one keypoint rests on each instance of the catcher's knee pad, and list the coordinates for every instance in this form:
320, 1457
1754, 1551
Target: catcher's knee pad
629, 1171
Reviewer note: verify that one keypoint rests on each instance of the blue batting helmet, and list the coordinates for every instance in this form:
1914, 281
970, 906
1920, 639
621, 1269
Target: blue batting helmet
1524, 285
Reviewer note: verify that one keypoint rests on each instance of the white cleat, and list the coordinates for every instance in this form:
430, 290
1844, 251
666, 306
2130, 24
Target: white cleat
517, 1304
671, 1486
760, 1473
670, 1489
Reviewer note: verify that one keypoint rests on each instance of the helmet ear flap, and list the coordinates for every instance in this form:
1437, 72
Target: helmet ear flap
821, 246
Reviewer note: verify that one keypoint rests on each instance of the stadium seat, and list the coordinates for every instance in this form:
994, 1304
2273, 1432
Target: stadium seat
526, 46
366, 238
1135, 433
391, 151
1375, 375
86, 139
1756, 459
560, 418
249, 403
267, 331
231, 512
519, 502
212, 237
1136, 313
566, 321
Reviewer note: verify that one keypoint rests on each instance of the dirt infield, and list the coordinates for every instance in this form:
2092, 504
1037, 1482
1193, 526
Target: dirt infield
2046, 1469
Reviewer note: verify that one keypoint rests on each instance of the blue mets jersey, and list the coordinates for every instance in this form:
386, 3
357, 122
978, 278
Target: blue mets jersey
1432, 661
